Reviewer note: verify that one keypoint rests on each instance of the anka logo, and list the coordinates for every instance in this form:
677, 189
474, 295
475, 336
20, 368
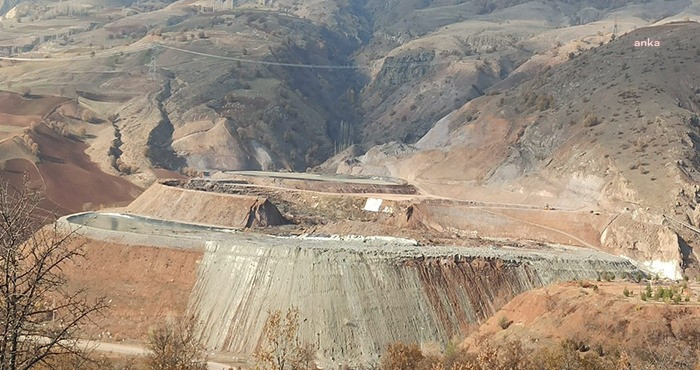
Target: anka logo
647, 43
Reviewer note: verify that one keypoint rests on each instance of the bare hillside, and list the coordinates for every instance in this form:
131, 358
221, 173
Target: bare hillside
286, 84
612, 128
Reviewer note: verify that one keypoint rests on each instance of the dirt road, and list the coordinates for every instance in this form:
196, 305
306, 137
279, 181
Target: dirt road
134, 350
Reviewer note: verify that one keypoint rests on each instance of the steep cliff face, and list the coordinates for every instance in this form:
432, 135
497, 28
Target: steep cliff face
357, 295
645, 238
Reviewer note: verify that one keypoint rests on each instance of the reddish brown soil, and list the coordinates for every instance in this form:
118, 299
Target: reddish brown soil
18, 121
602, 317
144, 285
163, 174
72, 180
14, 172
12, 103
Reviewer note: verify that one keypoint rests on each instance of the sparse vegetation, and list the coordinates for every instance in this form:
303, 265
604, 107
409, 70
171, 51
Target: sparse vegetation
88, 116
607, 276
569, 354
504, 323
124, 168
401, 356
26, 92
31, 274
282, 348
590, 120
174, 346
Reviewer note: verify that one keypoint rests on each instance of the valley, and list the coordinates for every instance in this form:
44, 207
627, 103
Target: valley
401, 171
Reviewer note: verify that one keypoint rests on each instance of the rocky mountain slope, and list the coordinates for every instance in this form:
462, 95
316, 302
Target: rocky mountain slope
233, 85
613, 128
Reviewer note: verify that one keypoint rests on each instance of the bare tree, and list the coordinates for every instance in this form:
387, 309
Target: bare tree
175, 346
39, 317
282, 349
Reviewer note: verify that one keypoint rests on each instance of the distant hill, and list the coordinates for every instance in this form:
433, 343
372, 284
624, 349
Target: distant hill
284, 85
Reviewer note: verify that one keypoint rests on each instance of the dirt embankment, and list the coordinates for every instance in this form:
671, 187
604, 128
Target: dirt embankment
357, 295
172, 203
552, 226
142, 285
312, 208
600, 319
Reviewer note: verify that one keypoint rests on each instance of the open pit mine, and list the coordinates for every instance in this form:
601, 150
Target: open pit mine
229, 248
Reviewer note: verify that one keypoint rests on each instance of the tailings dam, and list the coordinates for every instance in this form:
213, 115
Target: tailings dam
355, 294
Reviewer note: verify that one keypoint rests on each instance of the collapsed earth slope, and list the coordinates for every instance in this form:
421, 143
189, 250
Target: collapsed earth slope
615, 128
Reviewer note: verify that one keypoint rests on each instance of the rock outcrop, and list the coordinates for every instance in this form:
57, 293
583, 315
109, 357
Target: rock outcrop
646, 239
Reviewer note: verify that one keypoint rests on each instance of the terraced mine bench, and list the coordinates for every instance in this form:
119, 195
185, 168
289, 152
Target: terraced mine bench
355, 294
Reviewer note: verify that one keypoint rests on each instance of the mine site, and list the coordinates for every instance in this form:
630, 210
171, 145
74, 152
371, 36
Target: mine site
360, 184
349, 252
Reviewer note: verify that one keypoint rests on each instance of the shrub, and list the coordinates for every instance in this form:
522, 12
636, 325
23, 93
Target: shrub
124, 168
608, 276
590, 120
400, 356
173, 345
545, 102
281, 348
626, 292
88, 116
643, 296
504, 323
659, 293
